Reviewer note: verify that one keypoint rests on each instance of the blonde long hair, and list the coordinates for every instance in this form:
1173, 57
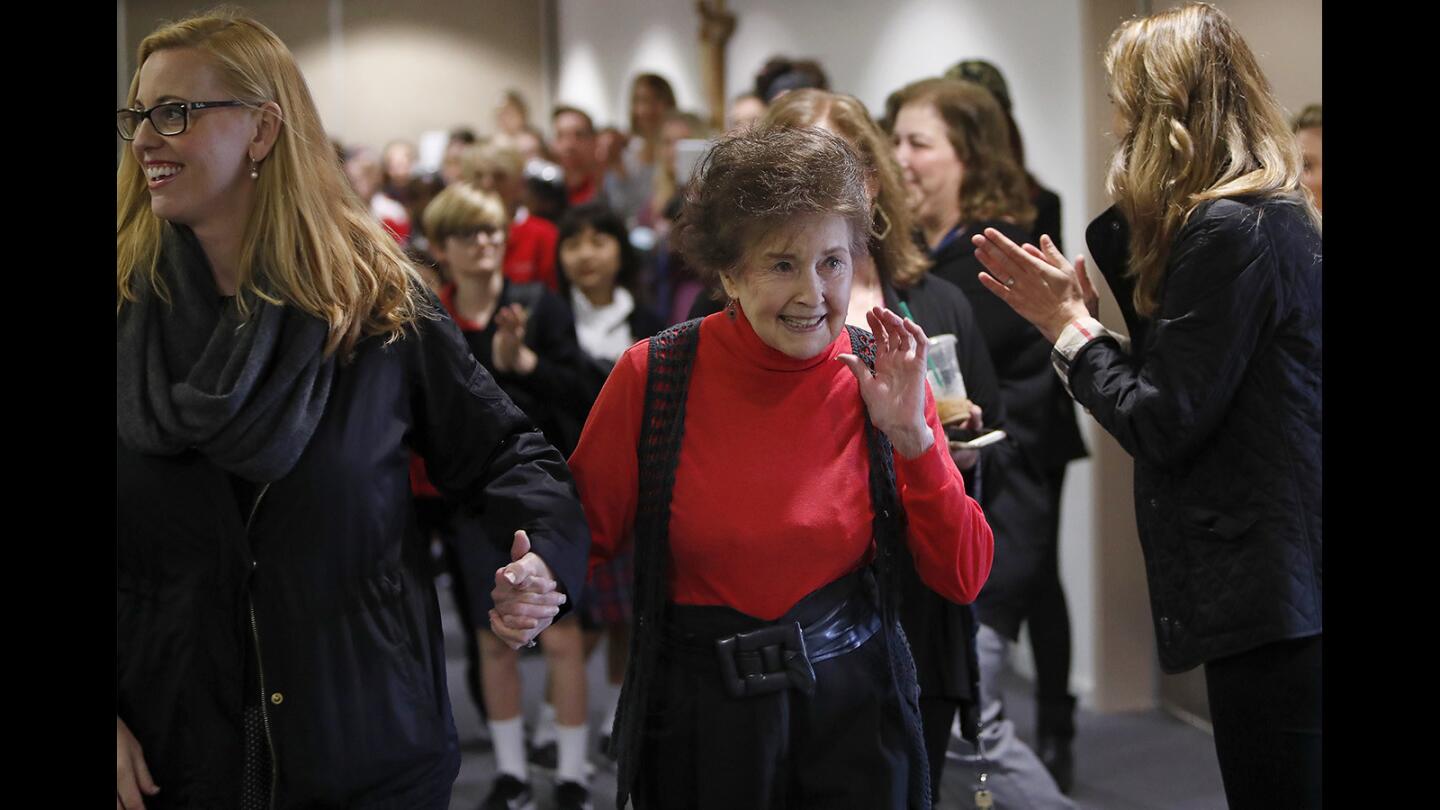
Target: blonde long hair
309, 242
897, 258
1200, 123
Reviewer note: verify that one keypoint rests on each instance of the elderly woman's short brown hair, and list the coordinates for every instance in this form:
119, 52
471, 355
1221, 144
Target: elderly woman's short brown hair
756, 180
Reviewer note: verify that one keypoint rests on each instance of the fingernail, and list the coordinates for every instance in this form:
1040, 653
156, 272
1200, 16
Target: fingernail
511, 577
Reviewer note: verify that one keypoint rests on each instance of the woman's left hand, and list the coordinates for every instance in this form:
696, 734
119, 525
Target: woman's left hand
895, 393
1038, 283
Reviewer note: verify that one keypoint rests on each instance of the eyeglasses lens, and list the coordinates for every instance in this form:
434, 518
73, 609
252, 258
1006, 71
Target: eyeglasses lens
168, 119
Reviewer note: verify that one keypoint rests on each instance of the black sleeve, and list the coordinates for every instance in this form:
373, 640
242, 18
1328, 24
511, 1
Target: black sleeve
1218, 299
481, 450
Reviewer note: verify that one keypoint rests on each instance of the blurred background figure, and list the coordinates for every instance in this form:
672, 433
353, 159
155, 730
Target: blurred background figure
452, 164
1307, 133
512, 119
1046, 202
781, 74
744, 110
530, 246
675, 287
630, 187
399, 161
953, 144
599, 281
523, 335
575, 151
367, 177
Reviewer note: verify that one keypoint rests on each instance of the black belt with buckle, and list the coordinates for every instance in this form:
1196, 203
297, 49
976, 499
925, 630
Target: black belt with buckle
828, 623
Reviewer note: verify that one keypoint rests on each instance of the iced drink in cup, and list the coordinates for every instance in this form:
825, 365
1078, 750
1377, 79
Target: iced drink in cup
943, 371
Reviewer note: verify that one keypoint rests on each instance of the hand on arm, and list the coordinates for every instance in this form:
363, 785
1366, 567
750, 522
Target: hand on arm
525, 594
894, 393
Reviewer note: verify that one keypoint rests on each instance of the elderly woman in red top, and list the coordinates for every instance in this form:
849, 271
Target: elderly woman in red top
771, 464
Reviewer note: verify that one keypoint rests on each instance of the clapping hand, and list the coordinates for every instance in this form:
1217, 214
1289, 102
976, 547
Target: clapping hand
508, 350
895, 392
526, 599
1038, 283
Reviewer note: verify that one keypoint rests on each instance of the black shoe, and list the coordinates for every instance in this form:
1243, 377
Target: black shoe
1056, 756
545, 757
1054, 731
572, 796
509, 793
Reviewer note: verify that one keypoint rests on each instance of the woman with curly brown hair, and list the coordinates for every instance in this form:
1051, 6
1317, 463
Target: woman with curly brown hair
951, 139
1213, 252
764, 459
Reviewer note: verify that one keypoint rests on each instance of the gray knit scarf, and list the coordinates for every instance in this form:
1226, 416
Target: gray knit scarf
192, 374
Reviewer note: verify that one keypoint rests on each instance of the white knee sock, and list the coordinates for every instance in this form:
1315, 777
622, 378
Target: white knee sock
573, 743
508, 736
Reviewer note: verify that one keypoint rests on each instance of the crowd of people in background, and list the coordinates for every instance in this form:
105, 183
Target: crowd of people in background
554, 247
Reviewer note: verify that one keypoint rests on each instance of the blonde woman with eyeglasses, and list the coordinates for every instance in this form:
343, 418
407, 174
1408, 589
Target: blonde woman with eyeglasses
278, 636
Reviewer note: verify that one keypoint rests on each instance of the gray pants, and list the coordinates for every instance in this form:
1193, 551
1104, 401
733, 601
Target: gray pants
1016, 778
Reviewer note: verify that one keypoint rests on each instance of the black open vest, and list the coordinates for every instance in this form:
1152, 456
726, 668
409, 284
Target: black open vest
662, 431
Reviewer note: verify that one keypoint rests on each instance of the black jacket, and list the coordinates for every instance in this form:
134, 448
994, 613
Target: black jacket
331, 581
1220, 406
1023, 473
554, 394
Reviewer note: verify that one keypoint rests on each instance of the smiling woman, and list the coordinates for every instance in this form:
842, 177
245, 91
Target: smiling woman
278, 639
767, 660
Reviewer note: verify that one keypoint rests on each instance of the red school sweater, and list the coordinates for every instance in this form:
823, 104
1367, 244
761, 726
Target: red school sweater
771, 497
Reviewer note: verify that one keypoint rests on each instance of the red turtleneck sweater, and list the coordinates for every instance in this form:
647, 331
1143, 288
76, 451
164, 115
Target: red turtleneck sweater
771, 496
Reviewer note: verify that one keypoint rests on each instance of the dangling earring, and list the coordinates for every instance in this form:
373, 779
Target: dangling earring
254, 170
878, 216
730, 309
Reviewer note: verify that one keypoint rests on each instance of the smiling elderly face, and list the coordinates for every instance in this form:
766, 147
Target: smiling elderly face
794, 284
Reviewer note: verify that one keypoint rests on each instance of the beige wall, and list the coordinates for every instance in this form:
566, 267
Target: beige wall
381, 70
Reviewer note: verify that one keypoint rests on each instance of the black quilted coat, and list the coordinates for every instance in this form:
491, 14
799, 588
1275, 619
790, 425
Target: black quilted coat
1220, 406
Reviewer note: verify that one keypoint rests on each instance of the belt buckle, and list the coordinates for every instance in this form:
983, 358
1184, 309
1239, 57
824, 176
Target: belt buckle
766, 660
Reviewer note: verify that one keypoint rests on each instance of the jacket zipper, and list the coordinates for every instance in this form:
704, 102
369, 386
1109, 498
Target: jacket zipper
259, 665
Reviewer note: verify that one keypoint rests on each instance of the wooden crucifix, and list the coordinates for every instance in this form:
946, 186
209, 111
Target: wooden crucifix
716, 26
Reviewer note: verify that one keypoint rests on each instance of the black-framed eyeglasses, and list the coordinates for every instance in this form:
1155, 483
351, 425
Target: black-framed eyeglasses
170, 118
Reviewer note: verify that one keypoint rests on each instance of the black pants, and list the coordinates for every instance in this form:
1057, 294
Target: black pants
1265, 707
843, 747
1049, 620
937, 717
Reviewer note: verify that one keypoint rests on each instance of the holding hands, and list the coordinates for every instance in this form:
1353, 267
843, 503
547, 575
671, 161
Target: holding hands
894, 393
1038, 283
525, 594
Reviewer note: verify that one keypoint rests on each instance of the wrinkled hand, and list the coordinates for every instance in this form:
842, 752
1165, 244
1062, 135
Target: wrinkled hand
526, 599
1038, 283
132, 776
895, 393
967, 459
508, 350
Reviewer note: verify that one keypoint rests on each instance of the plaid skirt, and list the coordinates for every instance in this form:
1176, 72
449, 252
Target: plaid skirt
608, 597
